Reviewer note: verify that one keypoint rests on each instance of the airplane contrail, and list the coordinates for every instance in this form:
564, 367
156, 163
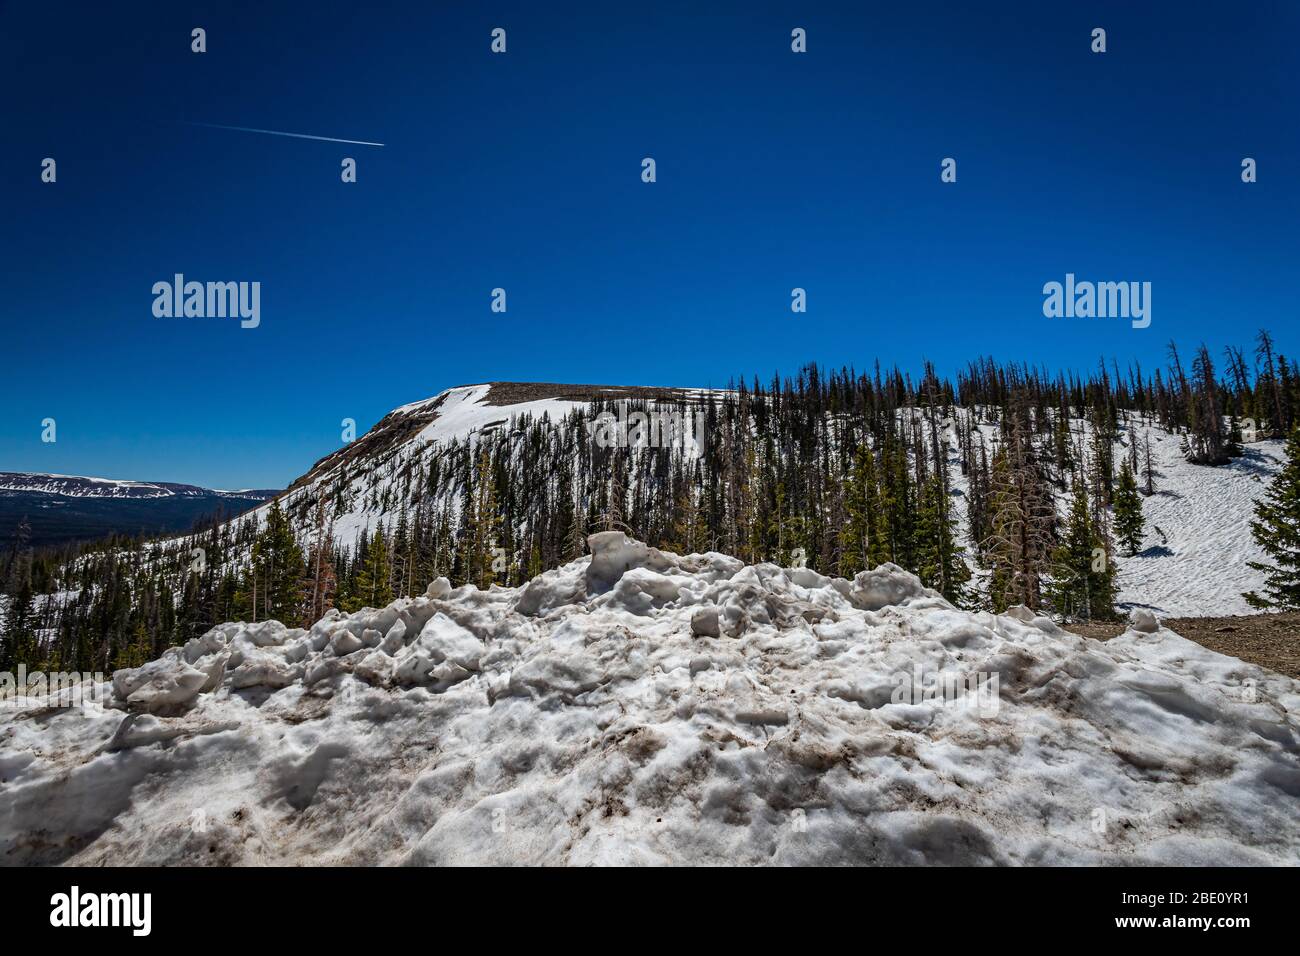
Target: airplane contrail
276, 132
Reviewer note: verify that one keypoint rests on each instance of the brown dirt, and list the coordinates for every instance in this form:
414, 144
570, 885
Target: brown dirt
1269, 640
513, 393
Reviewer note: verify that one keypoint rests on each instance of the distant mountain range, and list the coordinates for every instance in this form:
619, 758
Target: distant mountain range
64, 508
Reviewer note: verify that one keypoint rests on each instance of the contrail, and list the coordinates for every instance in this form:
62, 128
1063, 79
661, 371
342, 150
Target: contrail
276, 132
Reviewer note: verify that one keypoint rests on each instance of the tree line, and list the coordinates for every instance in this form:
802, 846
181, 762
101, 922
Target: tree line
953, 479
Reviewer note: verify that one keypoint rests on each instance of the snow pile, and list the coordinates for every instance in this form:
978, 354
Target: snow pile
640, 707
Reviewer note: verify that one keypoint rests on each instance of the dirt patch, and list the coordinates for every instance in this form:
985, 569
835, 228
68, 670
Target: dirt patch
514, 393
1269, 640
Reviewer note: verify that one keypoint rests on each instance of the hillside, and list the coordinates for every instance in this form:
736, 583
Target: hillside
1192, 562
976, 487
640, 707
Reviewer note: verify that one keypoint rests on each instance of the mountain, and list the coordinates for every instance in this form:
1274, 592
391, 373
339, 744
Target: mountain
66, 508
1193, 559
465, 409
494, 484
637, 706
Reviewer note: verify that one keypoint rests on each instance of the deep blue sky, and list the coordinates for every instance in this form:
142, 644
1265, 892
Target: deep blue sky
523, 171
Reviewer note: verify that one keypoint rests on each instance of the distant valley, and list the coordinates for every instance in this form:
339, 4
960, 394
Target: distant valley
61, 509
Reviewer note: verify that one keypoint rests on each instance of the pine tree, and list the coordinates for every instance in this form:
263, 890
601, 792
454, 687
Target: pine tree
482, 522
135, 652
688, 530
371, 587
1148, 469
898, 504
1277, 530
861, 541
1128, 511
939, 558
1083, 578
322, 581
778, 532
278, 566
1022, 521
19, 643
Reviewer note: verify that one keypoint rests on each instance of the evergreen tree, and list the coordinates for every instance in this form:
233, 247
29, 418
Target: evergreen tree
1023, 525
321, 583
1148, 469
482, 522
1083, 578
371, 587
278, 566
1277, 530
19, 643
1128, 511
939, 559
862, 541
688, 530
134, 653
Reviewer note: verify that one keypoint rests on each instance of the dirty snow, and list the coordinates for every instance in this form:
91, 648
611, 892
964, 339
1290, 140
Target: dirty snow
645, 708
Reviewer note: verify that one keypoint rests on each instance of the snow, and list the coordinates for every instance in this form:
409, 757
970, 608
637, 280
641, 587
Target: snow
1199, 566
81, 486
464, 411
585, 719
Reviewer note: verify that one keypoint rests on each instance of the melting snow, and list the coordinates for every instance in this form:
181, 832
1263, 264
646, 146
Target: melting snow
641, 707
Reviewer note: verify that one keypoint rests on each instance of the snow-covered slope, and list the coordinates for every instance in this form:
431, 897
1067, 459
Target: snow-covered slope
639, 707
1193, 560
371, 468
1197, 540
1198, 536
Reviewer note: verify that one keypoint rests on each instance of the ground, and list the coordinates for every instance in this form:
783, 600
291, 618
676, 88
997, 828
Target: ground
1269, 640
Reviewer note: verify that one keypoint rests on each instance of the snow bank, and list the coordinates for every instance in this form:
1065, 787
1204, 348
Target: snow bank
642, 707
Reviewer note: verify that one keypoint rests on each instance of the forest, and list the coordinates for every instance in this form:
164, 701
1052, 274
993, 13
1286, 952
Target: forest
1007, 485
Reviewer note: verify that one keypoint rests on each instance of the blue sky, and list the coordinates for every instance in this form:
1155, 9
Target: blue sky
522, 171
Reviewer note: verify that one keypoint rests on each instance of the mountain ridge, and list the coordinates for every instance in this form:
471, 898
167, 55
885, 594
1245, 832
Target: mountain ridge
60, 509
85, 486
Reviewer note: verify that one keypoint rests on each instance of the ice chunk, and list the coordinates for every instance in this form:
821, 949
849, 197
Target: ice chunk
444, 639
884, 586
345, 642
